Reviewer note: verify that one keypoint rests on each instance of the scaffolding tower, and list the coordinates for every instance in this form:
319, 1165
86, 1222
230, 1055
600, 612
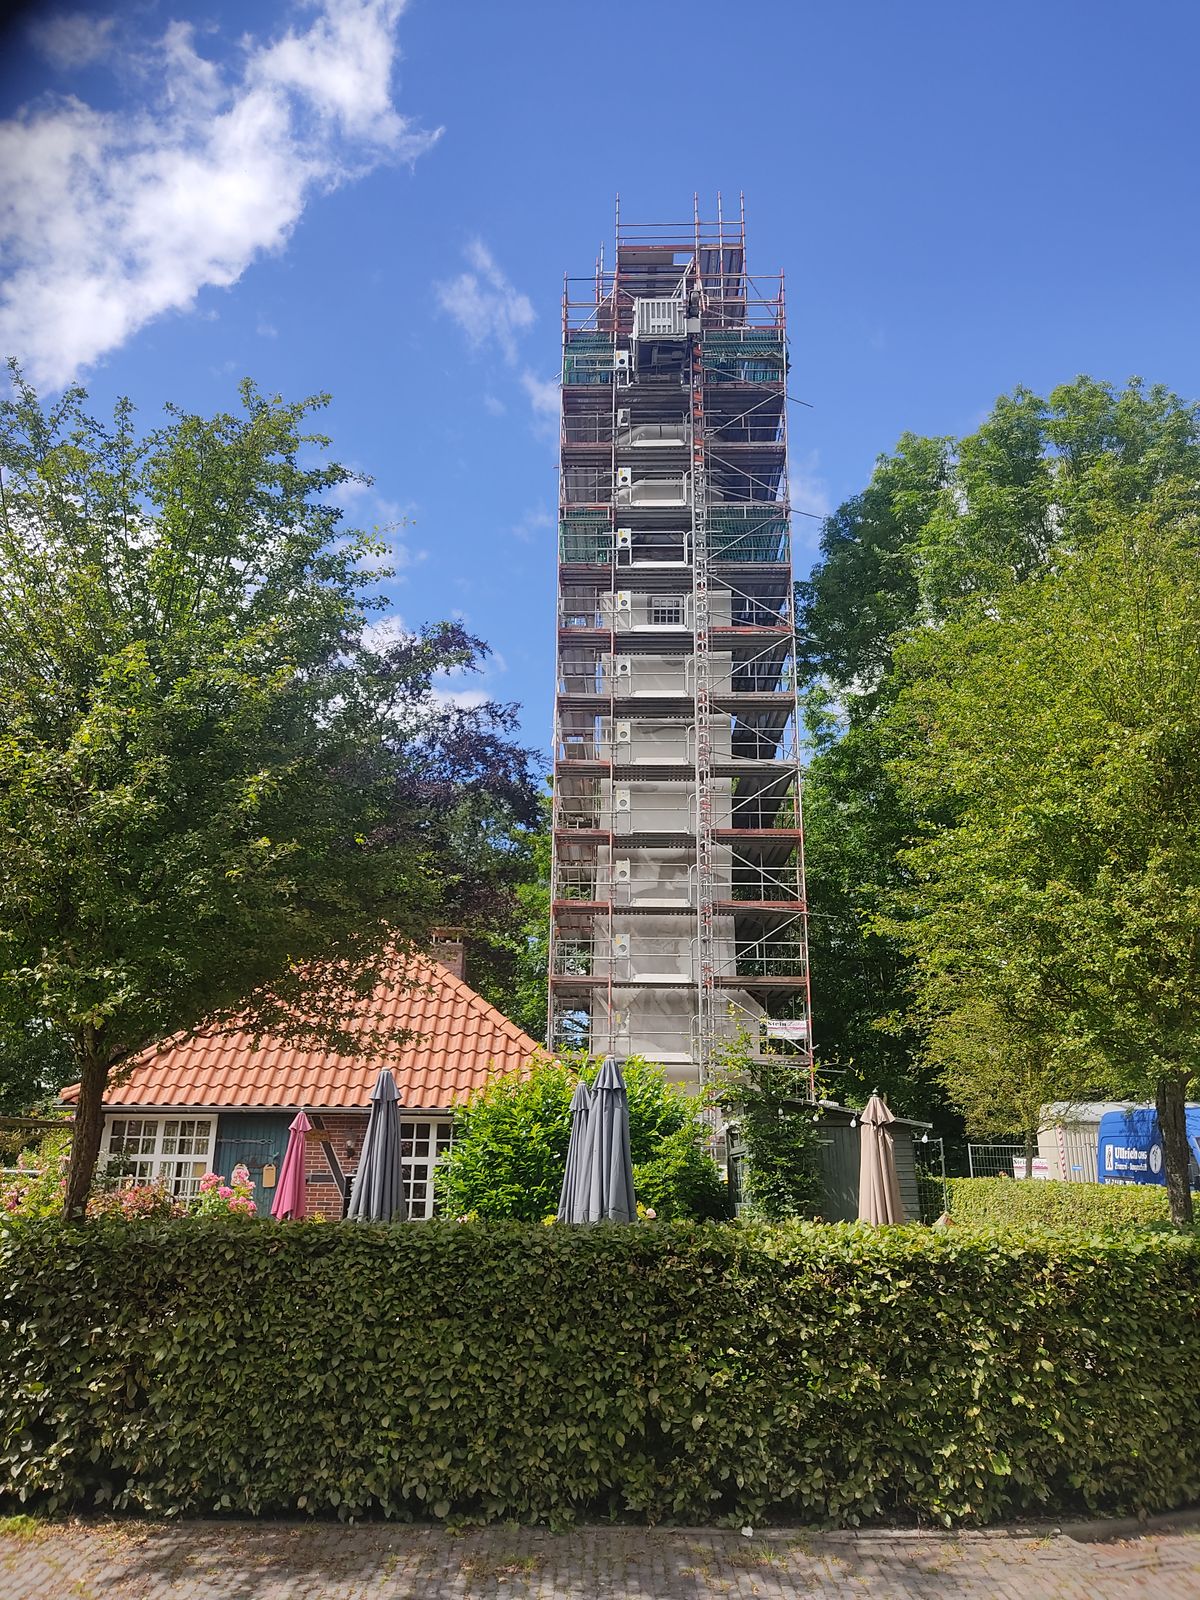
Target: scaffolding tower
678, 916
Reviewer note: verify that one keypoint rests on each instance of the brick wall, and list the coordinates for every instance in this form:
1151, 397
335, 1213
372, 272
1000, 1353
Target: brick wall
338, 1128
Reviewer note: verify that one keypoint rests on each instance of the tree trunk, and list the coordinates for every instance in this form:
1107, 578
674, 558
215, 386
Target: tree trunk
1030, 1152
1170, 1099
89, 1125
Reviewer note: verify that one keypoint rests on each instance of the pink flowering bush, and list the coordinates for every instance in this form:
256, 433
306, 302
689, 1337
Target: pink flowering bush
235, 1198
135, 1202
38, 1188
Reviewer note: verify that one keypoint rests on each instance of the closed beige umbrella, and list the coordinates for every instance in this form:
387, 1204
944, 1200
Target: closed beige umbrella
878, 1187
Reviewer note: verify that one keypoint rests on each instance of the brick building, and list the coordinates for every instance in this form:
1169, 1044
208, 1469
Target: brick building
209, 1102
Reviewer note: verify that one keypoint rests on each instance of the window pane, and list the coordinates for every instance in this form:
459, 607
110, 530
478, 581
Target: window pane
180, 1178
185, 1137
133, 1136
193, 1137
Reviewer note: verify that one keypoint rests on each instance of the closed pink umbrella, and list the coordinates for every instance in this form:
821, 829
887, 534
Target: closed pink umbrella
290, 1194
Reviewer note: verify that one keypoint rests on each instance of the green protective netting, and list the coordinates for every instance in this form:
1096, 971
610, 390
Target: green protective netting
588, 358
585, 535
745, 355
747, 533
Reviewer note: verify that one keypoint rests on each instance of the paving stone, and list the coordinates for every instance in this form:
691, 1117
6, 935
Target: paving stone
99, 1560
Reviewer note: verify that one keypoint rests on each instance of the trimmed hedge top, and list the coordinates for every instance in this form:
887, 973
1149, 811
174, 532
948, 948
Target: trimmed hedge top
1049, 1200
695, 1373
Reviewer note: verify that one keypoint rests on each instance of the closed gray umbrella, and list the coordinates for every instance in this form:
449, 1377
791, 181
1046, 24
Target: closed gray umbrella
573, 1201
878, 1187
608, 1175
378, 1192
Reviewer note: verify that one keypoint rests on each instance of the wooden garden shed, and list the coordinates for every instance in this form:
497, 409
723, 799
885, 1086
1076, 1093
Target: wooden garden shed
839, 1158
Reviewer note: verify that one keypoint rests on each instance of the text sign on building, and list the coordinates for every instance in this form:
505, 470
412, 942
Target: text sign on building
788, 1029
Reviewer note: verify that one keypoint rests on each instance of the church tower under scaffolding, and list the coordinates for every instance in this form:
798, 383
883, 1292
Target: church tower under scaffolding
678, 909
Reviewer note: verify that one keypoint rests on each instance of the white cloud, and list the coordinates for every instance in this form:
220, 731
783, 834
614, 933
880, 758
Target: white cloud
807, 490
485, 304
386, 521
108, 219
343, 66
72, 39
532, 524
351, 491
387, 631
543, 395
391, 515
465, 699
266, 330
489, 309
811, 503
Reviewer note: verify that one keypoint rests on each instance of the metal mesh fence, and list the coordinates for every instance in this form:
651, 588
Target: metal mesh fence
994, 1160
929, 1157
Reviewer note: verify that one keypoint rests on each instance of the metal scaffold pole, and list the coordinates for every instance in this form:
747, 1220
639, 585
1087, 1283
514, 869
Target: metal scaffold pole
702, 684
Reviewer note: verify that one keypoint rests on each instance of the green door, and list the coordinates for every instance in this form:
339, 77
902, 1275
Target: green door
257, 1139
838, 1154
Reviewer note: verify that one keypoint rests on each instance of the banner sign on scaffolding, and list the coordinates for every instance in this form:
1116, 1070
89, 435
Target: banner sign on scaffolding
794, 1029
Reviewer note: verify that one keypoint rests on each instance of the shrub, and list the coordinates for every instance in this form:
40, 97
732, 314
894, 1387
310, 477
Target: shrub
782, 1174
218, 1198
681, 1180
37, 1189
1021, 1201
510, 1145
134, 1202
694, 1373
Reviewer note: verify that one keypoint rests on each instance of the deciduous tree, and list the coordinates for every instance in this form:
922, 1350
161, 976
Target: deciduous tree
944, 527
221, 795
1058, 725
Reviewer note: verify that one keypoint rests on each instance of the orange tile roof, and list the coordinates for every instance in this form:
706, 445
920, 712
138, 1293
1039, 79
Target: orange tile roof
465, 1041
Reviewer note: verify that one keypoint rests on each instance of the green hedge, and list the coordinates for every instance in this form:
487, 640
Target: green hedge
687, 1372
1022, 1201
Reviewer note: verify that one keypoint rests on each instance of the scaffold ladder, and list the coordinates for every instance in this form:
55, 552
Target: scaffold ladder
702, 680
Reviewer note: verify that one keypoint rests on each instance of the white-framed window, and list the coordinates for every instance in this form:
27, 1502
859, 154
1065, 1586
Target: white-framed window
422, 1144
179, 1150
666, 611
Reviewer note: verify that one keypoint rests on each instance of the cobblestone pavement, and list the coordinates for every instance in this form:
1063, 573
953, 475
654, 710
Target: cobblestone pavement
231, 1561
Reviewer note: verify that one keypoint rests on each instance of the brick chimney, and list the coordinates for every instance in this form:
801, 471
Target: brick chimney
448, 950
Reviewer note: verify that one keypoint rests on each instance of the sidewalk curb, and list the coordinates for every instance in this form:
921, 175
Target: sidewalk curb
1130, 1527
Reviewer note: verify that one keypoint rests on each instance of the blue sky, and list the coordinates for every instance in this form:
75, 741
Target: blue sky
379, 200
